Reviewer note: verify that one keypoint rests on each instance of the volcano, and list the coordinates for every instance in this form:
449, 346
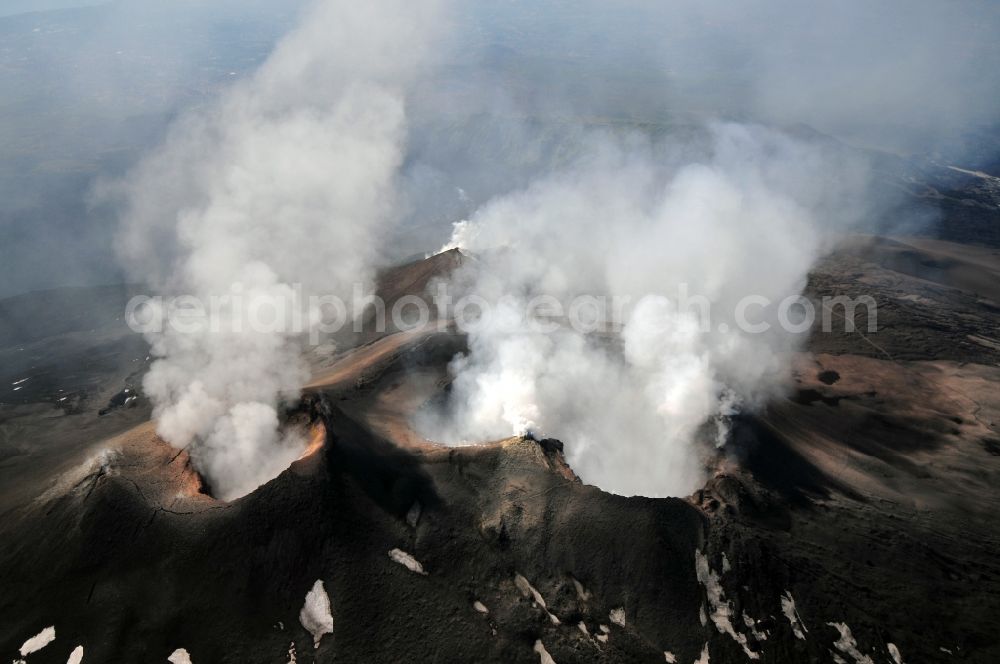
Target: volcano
853, 521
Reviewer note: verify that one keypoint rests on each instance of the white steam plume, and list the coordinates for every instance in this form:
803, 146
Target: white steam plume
644, 221
287, 179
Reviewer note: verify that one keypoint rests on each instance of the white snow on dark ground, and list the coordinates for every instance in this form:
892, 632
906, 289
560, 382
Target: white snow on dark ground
848, 646
315, 615
543, 654
38, 641
788, 608
75, 657
407, 561
179, 656
760, 635
720, 610
528, 591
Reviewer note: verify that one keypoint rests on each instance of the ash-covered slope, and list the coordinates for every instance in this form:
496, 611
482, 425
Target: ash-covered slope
854, 521
132, 569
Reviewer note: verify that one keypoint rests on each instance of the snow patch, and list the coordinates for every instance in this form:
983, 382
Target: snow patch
704, 656
847, 645
760, 635
543, 654
617, 616
179, 656
38, 641
75, 657
894, 653
479, 606
315, 615
721, 610
788, 608
528, 591
669, 657
407, 561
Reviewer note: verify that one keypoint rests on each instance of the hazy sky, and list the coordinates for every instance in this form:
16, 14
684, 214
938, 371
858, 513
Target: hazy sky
628, 146
85, 93
11, 7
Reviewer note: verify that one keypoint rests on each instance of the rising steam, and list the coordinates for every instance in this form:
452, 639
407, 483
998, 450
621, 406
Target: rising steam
646, 223
296, 175
287, 179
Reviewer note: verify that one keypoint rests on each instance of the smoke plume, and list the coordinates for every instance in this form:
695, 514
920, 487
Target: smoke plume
289, 183
286, 181
647, 223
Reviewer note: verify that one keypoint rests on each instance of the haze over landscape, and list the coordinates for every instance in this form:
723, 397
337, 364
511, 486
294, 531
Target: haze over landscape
526, 331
